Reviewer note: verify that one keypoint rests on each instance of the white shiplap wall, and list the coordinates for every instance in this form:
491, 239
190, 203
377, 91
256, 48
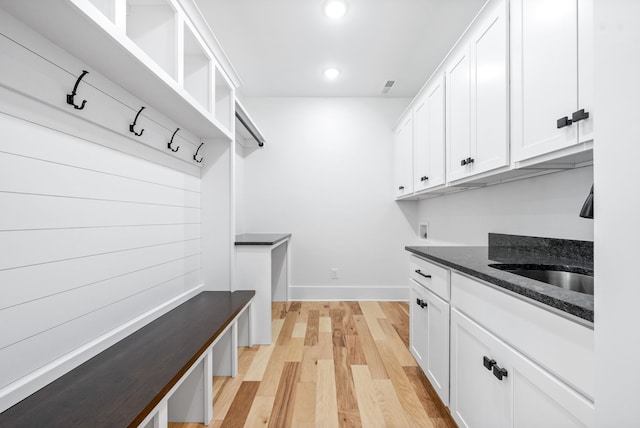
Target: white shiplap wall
100, 231
90, 238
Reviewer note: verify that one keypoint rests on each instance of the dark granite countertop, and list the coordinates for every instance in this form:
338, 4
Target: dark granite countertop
475, 261
261, 238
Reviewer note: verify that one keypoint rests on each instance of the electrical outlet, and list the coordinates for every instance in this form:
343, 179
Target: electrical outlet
334, 273
423, 230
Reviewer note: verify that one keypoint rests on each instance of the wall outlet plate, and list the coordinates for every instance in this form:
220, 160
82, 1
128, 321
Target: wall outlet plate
423, 230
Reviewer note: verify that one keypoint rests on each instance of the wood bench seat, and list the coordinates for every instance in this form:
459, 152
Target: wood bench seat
122, 385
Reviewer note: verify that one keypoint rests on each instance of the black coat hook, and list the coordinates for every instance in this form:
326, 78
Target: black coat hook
171, 142
195, 156
132, 126
72, 95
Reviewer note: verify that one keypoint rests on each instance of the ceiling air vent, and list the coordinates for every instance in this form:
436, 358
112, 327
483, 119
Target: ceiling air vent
387, 87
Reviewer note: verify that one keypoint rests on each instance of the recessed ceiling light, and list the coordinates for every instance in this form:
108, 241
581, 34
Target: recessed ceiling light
335, 9
331, 73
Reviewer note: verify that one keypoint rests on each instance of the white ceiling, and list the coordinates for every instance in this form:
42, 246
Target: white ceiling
281, 47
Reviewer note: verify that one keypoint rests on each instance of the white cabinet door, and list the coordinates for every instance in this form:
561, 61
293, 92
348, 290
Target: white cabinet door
545, 74
539, 399
526, 396
478, 398
421, 144
428, 135
490, 91
458, 115
436, 366
404, 157
418, 323
477, 97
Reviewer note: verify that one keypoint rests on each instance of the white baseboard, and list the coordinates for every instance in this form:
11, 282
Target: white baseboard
27, 385
348, 292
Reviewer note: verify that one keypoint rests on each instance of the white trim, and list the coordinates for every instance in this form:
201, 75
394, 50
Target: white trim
349, 292
27, 385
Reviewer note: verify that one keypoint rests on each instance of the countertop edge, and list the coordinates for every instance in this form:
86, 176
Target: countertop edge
266, 242
552, 302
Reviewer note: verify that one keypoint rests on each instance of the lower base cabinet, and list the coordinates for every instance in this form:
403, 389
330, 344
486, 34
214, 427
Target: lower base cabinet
429, 337
493, 385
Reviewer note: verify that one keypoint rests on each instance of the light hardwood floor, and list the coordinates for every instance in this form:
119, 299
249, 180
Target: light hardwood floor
331, 364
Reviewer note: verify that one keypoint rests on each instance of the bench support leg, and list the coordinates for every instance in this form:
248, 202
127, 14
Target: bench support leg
161, 419
208, 387
234, 349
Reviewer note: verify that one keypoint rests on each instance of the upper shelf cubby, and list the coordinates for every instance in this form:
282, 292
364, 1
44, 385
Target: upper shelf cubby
224, 97
153, 26
197, 70
107, 7
148, 47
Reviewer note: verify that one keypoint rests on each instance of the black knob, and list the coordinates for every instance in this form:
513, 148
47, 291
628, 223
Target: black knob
418, 302
499, 372
488, 363
423, 304
401, 188
425, 178
579, 115
463, 162
564, 121
470, 161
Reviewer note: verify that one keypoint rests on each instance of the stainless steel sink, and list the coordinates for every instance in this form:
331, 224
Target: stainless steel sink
558, 276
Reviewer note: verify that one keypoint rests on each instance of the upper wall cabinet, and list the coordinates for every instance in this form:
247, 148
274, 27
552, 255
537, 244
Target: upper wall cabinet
403, 146
148, 47
552, 80
428, 136
477, 97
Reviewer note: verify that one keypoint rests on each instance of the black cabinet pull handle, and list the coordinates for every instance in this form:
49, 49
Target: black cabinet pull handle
470, 161
499, 372
488, 363
425, 178
579, 115
463, 162
421, 303
564, 121
401, 188
419, 272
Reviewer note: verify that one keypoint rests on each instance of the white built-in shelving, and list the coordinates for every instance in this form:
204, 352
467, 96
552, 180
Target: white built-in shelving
153, 26
224, 99
148, 47
197, 70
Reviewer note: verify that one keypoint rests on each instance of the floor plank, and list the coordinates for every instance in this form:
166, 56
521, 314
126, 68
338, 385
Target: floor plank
304, 411
389, 404
239, 410
372, 356
331, 364
370, 413
313, 321
260, 412
282, 413
326, 396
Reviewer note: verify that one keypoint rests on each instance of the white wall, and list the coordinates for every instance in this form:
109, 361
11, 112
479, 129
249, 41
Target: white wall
617, 222
545, 206
325, 175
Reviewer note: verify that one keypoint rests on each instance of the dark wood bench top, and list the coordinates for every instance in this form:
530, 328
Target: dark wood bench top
120, 386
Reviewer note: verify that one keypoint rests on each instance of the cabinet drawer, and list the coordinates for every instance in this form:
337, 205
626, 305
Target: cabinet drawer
561, 346
433, 277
